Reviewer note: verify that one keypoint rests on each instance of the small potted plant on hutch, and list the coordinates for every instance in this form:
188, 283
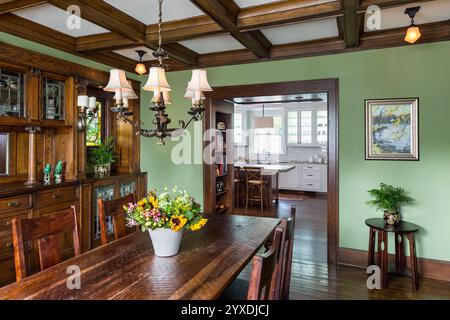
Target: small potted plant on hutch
102, 157
165, 217
389, 199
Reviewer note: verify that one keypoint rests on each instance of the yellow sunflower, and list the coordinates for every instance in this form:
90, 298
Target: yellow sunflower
153, 201
199, 225
177, 222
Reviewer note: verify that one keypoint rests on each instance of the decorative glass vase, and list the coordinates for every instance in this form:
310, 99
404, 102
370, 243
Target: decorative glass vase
166, 242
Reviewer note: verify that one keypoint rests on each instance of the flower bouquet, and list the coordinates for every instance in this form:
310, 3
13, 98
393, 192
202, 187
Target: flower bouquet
165, 217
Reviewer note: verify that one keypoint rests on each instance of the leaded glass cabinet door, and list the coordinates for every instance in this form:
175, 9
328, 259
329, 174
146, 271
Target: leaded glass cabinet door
12, 94
105, 192
53, 99
127, 187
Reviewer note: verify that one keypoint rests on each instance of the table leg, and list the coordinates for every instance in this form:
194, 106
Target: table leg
371, 259
277, 187
384, 259
399, 252
413, 258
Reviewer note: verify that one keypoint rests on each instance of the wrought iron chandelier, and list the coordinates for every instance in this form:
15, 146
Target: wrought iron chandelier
157, 83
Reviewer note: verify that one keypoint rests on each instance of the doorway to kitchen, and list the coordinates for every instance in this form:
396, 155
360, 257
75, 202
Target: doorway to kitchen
293, 137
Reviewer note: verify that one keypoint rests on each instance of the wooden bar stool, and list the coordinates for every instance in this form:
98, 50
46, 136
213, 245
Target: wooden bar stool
115, 210
401, 231
256, 187
48, 232
239, 186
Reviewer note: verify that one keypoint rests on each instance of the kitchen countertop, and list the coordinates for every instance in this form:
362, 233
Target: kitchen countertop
281, 167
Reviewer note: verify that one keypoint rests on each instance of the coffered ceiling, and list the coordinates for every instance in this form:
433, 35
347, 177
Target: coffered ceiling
204, 33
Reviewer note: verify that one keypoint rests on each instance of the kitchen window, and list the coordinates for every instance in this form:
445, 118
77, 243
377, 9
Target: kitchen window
239, 127
269, 140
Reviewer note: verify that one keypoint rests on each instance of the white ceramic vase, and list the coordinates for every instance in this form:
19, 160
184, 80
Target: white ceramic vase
166, 243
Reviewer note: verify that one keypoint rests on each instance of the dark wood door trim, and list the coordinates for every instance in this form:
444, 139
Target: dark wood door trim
331, 86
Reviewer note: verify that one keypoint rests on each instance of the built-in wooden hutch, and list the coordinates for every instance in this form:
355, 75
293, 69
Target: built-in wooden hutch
38, 125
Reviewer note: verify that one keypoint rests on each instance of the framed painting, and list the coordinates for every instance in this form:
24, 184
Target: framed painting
392, 129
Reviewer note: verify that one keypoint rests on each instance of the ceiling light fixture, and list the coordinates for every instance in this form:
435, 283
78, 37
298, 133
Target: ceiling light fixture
263, 122
413, 33
140, 67
158, 84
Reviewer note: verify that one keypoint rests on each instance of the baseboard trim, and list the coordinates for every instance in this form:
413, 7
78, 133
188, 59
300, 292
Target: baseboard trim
428, 268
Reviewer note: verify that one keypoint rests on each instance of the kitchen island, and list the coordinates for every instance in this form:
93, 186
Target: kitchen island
270, 173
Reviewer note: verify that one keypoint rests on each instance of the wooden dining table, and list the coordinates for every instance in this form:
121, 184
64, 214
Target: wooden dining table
208, 261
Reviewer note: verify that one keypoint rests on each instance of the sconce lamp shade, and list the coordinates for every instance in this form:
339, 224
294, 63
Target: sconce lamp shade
263, 122
127, 94
199, 81
117, 81
412, 34
83, 101
140, 68
92, 103
157, 80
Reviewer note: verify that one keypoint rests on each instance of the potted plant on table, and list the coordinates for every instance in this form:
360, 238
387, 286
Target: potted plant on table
389, 199
165, 217
102, 157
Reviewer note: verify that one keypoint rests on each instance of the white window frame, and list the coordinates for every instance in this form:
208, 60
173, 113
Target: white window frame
314, 142
274, 113
244, 128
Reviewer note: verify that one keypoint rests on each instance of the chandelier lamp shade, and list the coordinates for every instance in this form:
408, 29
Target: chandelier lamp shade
158, 84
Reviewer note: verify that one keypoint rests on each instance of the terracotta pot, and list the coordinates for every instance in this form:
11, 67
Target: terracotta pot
391, 218
166, 242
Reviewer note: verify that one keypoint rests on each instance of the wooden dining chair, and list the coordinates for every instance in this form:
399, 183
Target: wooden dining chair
255, 187
285, 257
114, 209
263, 278
48, 232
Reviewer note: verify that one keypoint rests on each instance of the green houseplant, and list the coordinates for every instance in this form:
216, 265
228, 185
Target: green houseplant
102, 156
389, 199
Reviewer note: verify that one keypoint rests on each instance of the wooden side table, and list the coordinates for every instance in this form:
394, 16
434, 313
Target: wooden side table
401, 231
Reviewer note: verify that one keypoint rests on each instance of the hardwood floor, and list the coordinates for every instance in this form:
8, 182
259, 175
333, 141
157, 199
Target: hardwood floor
311, 277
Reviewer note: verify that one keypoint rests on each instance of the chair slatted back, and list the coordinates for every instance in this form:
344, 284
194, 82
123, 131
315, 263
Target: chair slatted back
114, 209
48, 232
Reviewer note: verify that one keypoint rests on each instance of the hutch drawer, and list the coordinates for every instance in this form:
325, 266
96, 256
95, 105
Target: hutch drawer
16, 203
55, 196
5, 221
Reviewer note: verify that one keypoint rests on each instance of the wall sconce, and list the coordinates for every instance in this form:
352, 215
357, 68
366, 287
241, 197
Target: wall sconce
82, 103
140, 67
89, 103
413, 33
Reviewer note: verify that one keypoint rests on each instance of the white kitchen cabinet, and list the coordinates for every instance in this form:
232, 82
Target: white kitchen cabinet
289, 180
305, 177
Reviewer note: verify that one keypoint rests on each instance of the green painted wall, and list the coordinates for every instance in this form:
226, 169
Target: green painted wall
417, 71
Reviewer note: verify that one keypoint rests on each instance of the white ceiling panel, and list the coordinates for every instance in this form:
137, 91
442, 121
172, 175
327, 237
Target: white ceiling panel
429, 12
251, 3
213, 44
131, 53
300, 32
146, 11
56, 18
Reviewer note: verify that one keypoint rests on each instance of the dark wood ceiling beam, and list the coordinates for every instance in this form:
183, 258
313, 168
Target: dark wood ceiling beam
184, 29
386, 3
282, 12
431, 32
226, 15
103, 42
35, 32
349, 24
108, 17
18, 5
27, 29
